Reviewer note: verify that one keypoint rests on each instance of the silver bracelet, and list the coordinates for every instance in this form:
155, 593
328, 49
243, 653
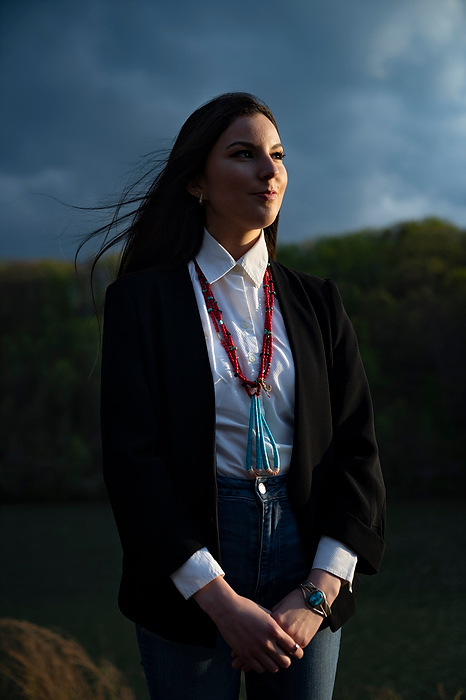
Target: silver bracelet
315, 599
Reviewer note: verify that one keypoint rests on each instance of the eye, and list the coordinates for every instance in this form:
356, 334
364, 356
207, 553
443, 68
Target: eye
278, 155
244, 153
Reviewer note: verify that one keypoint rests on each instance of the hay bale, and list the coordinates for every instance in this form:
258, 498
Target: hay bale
37, 663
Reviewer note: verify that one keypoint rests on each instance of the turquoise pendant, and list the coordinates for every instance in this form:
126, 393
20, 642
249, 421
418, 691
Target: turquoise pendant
258, 424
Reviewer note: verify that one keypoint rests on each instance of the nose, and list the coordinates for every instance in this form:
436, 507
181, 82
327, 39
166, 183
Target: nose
269, 167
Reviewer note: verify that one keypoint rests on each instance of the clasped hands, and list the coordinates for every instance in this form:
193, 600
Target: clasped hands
260, 639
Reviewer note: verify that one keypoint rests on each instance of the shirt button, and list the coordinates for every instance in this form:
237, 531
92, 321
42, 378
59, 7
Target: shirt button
245, 325
252, 358
262, 488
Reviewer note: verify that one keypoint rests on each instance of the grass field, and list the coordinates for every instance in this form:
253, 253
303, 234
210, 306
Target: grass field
59, 567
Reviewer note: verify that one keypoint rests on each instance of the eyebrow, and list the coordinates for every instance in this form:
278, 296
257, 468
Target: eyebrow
248, 144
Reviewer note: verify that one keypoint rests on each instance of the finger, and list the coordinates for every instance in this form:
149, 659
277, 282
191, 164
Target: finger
258, 667
261, 661
269, 660
260, 664
295, 652
298, 653
275, 657
287, 645
269, 664
242, 665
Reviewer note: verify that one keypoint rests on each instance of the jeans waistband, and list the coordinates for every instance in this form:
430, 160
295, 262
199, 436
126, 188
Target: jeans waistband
264, 487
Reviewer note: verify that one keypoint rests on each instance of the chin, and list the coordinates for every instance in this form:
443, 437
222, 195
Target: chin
269, 221
266, 220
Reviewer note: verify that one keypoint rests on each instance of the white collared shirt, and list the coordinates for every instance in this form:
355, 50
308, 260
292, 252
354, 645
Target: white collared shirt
237, 287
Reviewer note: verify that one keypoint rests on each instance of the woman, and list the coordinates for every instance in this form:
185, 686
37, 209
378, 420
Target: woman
238, 442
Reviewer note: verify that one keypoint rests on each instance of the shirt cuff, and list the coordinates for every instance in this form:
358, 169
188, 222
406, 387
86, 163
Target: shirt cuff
334, 557
198, 571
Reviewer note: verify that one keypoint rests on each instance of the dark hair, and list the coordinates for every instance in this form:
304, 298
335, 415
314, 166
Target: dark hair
166, 229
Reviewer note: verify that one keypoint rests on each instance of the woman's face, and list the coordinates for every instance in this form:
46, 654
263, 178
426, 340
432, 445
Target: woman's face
244, 180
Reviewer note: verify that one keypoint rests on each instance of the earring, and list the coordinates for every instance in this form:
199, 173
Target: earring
200, 198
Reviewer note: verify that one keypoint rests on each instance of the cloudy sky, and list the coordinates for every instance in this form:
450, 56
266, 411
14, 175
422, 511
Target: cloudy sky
369, 95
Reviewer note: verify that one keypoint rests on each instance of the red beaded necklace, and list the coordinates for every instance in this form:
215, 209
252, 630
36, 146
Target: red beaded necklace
253, 388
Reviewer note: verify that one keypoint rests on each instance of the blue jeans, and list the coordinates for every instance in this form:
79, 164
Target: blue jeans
264, 559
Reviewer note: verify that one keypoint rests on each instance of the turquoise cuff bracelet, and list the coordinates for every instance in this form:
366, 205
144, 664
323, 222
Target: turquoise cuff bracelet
315, 599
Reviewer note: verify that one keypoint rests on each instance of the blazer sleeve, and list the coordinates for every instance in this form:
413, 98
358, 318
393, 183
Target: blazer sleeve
157, 532
356, 512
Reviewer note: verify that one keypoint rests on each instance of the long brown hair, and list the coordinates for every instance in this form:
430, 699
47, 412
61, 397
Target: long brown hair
165, 229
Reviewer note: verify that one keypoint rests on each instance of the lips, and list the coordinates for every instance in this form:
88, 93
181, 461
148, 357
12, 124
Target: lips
267, 195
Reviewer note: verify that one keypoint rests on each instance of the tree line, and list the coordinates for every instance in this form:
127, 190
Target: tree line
404, 288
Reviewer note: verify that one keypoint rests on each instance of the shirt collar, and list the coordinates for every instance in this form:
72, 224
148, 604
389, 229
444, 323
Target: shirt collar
215, 261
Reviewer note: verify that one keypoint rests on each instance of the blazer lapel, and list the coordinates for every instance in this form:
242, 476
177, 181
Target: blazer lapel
192, 376
312, 420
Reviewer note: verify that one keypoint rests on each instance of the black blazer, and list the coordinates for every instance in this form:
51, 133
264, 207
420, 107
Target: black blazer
158, 434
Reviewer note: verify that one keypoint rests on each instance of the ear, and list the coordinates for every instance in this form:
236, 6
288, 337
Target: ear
194, 187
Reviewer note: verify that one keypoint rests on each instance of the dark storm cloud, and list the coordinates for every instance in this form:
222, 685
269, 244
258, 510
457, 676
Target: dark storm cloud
370, 98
